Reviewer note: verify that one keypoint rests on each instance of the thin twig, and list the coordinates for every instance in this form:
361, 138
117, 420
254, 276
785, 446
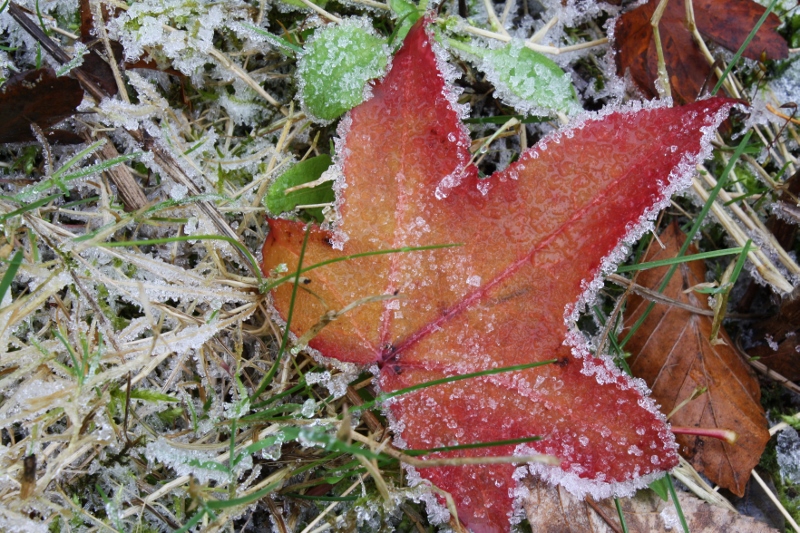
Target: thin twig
775, 500
552, 50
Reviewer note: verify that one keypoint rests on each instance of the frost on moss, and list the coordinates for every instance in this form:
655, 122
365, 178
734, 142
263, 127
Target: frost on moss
336, 66
178, 33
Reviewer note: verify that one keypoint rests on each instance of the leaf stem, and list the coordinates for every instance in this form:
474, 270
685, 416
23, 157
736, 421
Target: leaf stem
722, 434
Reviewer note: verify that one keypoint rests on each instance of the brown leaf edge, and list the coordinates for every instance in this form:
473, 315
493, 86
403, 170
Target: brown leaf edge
671, 351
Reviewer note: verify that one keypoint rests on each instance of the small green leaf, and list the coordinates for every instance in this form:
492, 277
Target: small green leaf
526, 80
336, 64
277, 201
661, 487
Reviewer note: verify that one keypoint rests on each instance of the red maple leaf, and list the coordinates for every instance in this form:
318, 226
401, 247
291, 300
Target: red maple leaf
533, 237
725, 22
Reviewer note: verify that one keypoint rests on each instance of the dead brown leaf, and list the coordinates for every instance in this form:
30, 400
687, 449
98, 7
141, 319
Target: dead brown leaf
39, 97
725, 22
778, 341
672, 353
776, 338
553, 509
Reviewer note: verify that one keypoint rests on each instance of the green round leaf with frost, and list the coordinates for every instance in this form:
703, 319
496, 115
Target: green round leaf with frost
335, 67
277, 201
526, 80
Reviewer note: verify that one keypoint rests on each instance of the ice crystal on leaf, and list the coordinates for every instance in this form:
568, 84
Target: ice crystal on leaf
532, 245
335, 67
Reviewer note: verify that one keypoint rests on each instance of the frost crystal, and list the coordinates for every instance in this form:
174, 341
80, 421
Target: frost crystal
788, 451
184, 461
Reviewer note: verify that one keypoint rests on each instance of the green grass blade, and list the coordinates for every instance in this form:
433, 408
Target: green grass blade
57, 180
8, 277
184, 238
280, 42
621, 515
744, 46
285, 339
192, 521
476, 445
77, 366
271, 285
244, 500
77, 157
450, 379
29, 207
740, 262
321, 498
678, 508
693, 231
682, 259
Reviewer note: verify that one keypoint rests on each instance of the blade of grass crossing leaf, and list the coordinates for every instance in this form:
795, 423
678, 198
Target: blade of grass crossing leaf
678, 260
522, 440
285, 339
450, 379
621, 515
723, 179
744, 46
502, 119
406, 249
678, 508
8, 277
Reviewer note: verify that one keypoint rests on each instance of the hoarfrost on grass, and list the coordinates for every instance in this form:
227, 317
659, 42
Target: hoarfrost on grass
186, 462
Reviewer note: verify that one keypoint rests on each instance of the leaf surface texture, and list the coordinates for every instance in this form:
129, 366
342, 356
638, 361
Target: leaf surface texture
533, 235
